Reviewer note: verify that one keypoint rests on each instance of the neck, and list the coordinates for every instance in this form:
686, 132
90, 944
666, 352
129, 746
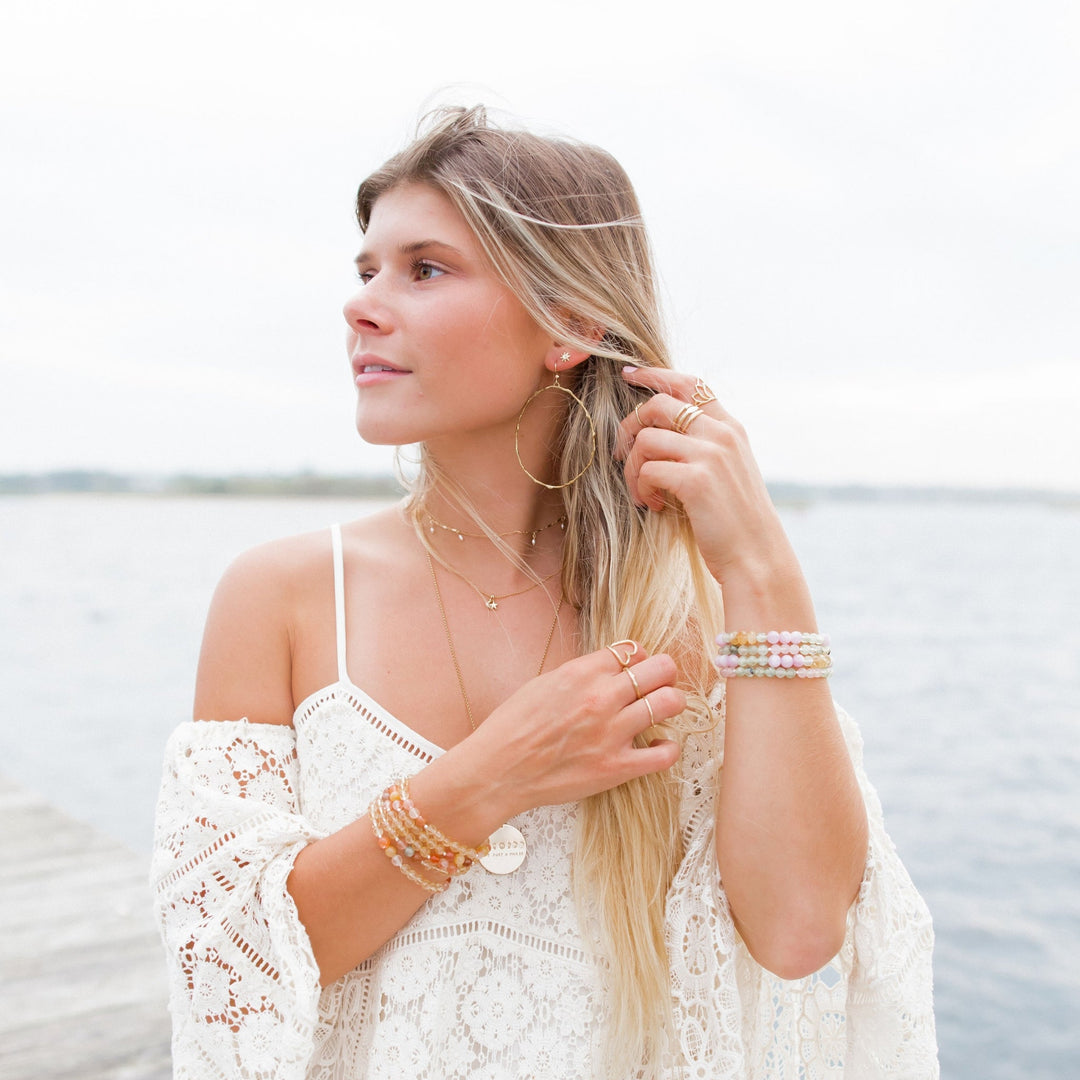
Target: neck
490, 479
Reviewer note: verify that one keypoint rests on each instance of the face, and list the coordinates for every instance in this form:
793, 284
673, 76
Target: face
440, 347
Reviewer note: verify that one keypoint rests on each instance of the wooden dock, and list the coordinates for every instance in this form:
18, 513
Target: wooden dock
82, 977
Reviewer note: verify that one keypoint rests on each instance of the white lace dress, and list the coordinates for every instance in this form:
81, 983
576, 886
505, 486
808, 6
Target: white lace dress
493, 979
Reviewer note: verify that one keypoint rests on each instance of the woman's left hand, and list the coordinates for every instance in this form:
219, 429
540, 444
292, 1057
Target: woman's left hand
710, 469
790, 823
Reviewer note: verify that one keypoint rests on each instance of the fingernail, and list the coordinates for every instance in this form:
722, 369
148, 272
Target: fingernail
628, 368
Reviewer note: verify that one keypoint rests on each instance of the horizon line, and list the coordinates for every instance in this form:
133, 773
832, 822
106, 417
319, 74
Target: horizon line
312, 482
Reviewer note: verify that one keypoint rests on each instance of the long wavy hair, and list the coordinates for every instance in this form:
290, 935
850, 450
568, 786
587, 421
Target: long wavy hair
560, 224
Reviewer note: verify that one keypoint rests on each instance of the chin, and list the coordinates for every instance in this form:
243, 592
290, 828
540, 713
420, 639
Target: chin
383, 432
381, 438
379, 428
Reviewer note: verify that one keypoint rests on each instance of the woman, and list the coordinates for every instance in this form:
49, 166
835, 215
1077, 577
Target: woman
462, 791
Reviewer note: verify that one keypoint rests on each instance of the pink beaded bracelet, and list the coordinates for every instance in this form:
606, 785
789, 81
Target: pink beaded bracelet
784, 654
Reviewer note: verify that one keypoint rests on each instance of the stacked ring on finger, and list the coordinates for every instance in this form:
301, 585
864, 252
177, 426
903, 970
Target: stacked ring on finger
685, 417
645, 698
637, 689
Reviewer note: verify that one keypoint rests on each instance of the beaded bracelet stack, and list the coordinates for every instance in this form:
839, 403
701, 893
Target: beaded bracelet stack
409, 841
777, 654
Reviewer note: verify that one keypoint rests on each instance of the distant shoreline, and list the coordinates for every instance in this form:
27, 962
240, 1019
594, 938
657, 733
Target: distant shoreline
386, 486
95, 482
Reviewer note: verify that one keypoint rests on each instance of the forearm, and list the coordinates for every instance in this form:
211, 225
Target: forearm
791, 826
349, 895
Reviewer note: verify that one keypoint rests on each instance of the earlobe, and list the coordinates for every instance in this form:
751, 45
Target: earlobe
563, 358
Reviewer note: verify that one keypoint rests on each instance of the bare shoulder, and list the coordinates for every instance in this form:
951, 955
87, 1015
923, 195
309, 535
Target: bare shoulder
245, 665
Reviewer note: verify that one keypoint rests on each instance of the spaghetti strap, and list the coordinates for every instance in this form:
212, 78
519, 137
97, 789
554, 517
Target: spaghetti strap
339, 602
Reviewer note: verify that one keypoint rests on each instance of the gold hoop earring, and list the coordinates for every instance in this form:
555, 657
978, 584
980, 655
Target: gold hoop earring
556, 385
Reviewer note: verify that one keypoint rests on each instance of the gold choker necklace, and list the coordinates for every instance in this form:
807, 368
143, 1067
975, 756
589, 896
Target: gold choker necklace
434, 523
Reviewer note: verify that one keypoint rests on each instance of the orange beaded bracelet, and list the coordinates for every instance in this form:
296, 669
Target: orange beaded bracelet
403, 834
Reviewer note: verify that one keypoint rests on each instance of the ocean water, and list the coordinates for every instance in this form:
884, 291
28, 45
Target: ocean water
957, 645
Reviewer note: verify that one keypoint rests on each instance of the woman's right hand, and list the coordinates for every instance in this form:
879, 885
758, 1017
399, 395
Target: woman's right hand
562, 736
570, 733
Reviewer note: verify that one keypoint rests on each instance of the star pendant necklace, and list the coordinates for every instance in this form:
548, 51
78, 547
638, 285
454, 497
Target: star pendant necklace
450, 637
491, 600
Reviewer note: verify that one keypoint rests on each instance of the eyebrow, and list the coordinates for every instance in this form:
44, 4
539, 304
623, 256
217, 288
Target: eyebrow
412, 249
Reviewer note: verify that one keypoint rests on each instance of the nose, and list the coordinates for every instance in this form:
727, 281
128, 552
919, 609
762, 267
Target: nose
364, 313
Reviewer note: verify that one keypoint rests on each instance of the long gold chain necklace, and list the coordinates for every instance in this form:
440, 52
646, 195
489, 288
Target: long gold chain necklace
453, 651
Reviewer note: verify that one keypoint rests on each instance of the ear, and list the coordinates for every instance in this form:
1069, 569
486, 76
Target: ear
563, 358
566, 357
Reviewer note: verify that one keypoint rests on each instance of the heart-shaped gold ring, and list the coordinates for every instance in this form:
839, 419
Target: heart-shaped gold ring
631, 652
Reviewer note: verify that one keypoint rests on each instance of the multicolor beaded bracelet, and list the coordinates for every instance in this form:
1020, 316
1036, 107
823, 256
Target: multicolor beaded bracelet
397, 851
781, 654
439, 849
402, 833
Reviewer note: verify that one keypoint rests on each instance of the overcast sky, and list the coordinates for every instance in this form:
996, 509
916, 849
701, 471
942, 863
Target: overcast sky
867, 218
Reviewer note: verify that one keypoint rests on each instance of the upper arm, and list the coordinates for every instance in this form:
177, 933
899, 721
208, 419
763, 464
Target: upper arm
245, 666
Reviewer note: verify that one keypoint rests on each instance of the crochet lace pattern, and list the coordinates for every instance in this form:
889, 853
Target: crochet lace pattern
494, 979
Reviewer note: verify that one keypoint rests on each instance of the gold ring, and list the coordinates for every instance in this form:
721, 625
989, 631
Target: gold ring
652, 715
638, 415
685, 417
637, 689
702, 395
624, 661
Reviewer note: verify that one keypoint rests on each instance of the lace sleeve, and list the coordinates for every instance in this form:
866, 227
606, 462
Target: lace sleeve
867, 1014
244, 985
887, 953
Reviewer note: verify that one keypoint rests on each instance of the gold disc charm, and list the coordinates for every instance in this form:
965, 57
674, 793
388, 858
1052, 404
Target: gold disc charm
507, 851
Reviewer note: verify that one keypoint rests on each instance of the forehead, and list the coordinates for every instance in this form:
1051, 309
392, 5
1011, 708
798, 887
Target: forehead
412, 212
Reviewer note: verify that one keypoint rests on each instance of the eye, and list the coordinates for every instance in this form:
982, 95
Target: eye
426, 271
364, 276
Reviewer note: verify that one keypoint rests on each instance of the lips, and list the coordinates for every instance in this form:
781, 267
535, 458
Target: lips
367, 365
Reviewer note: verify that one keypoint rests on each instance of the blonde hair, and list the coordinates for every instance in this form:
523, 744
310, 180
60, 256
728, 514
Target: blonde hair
560, 223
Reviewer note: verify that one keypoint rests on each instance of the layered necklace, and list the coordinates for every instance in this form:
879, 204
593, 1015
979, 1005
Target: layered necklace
508, 846
453, 651
490, 599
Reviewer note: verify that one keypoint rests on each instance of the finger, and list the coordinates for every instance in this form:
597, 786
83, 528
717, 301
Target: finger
659, 755
659, 480
629, 428
657, 444
652, 412
677, 384
637, 680
662, 704
657, 379
665, 412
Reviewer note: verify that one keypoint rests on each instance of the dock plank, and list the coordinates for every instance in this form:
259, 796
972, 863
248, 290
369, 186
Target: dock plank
82, 978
